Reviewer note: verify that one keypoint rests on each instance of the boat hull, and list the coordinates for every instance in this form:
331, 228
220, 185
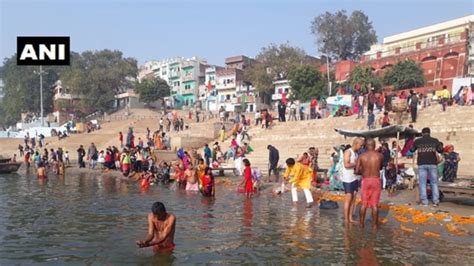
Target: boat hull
6, 168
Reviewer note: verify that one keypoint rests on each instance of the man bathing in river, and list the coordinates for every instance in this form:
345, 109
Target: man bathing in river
369, 165
161, 228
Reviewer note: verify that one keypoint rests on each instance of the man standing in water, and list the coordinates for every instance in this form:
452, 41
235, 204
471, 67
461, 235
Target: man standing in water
369, 165
349, 179
299, 177
273, 158
161, 228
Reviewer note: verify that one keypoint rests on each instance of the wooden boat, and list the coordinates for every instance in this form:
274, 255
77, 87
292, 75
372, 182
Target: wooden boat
4, 160
8, 167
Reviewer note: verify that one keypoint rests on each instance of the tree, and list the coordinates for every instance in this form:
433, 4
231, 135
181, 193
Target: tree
343, 37
405, 74
151, 90
306, 83
97, 76
22, 89
364, 77
274, 63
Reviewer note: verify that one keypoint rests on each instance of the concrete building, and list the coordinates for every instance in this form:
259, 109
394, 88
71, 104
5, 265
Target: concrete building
441, 49
183, 76
470, 58
282, 90
240, 62
207, 91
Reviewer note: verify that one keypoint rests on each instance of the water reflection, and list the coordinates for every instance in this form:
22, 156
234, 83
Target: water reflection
95, 220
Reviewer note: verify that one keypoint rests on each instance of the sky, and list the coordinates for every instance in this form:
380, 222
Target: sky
212, 29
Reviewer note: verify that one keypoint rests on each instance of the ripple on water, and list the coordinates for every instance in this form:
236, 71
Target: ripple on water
87, 220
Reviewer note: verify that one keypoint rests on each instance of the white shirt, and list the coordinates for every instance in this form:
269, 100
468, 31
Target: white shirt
348, 175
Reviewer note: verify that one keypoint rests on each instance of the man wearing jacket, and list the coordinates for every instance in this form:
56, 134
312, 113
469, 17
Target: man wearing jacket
273, 158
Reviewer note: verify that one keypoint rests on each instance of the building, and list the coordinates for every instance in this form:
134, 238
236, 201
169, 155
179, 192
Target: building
470, 58
233, 93
342, 70
228, 81
441, 49
282, 90
183, 76
240, 62
207, 91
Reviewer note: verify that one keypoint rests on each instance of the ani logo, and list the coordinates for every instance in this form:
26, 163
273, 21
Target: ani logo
35, 51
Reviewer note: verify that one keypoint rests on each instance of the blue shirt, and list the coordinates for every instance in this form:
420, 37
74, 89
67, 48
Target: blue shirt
370, 119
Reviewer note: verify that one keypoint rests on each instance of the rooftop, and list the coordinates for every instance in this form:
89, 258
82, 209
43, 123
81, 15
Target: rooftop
438, 27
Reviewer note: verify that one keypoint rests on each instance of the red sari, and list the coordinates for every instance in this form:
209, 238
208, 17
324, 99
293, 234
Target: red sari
248, 179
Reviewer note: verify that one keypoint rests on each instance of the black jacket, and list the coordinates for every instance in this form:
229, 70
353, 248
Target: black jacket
274, 156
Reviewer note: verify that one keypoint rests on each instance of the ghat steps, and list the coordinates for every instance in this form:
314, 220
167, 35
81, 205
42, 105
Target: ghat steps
455, 126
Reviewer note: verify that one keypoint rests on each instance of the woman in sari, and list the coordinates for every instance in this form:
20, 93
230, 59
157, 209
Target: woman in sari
157, 141
451, 160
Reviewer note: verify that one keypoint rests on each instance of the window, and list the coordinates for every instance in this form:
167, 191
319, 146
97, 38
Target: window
227, 97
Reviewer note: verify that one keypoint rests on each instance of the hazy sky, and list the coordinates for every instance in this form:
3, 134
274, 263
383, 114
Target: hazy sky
212, 29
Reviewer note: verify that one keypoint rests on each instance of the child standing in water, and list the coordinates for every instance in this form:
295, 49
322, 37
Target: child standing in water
208, 188
248, 187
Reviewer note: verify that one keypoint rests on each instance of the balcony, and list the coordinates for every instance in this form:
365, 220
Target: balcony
453, 39
188, 77
226, 86
174, 74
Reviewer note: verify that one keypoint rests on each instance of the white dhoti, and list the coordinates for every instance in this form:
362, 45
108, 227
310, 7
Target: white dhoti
307, 194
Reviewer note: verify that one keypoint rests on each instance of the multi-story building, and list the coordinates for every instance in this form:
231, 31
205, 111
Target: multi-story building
183, 76
441, 49
227, 82
240, 62
207, 91
282, 89
470, 58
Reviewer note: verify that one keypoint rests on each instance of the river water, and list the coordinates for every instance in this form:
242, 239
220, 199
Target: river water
95, 220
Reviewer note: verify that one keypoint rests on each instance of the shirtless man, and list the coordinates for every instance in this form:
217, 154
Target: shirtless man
161, 228
369, 165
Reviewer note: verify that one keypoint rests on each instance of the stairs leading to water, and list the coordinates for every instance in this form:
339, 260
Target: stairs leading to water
455, 126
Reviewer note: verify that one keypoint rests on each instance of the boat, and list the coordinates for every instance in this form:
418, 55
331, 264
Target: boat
3, 160
6, 166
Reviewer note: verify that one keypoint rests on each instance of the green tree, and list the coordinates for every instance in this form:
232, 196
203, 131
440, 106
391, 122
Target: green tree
343, 37
274, 63
405, 74
151, 90
306, 83
364, 77
22, 89
98, 76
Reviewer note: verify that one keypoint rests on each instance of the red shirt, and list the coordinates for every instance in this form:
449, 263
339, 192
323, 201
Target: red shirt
314, 102
207, 180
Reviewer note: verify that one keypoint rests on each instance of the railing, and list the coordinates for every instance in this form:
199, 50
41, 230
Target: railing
453, 39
